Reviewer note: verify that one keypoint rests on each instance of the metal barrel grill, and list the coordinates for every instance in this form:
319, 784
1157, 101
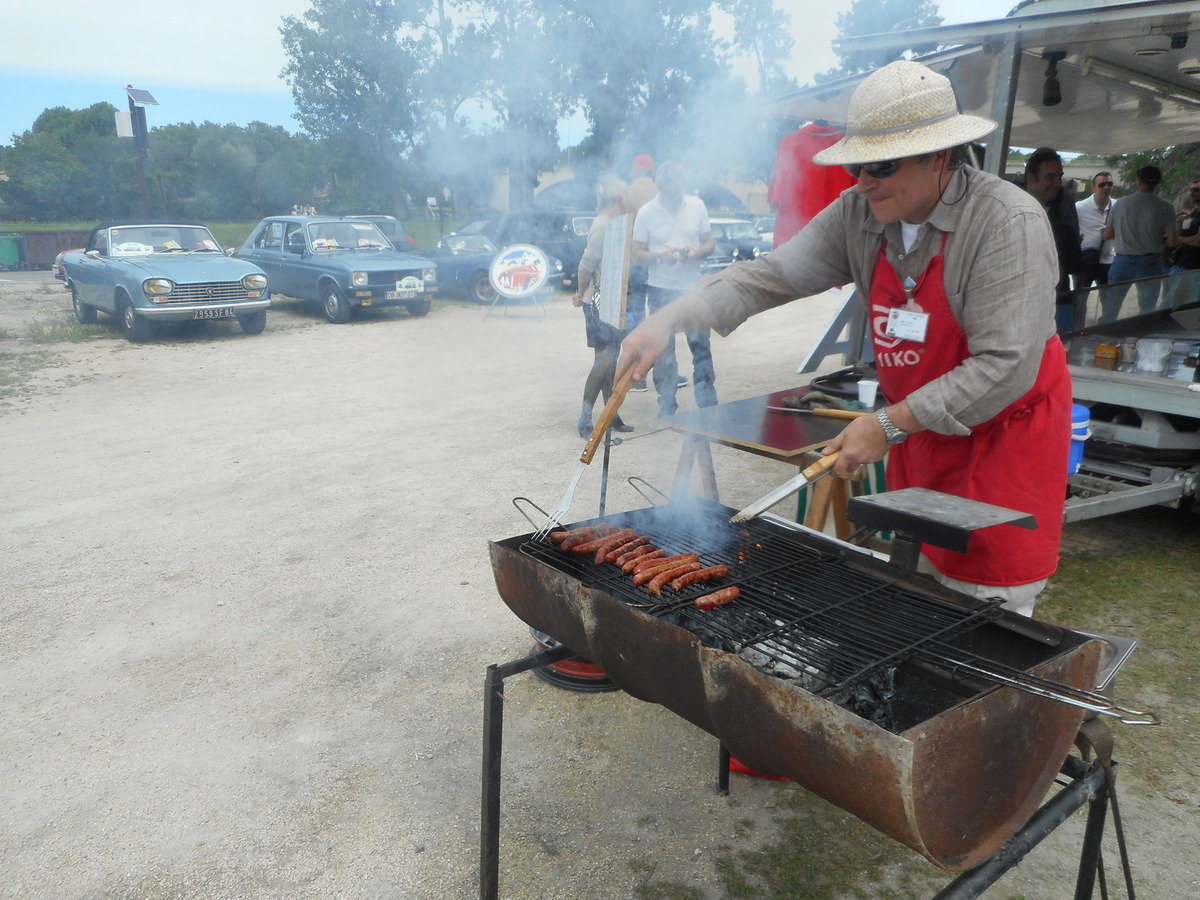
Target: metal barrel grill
875, 688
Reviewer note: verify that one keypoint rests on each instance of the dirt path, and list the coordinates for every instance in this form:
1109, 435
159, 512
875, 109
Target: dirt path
247, 609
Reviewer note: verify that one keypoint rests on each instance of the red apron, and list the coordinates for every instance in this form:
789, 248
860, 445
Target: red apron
1017, 459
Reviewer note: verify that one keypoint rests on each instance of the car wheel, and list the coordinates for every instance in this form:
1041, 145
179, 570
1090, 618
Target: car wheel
418, 307
334, 305
253, 323
136, 328
84, 314
481, 288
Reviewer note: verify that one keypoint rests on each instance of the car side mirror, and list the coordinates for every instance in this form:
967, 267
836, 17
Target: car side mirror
229, 251
92, 254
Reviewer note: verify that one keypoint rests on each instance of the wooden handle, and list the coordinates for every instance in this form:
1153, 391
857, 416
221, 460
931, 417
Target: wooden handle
620, 389
821, 466
839, 413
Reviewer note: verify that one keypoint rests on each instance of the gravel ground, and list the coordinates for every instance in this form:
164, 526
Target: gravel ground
248, 607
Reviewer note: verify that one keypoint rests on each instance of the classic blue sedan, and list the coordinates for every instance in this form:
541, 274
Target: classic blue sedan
464, 260
342, 262
145, 273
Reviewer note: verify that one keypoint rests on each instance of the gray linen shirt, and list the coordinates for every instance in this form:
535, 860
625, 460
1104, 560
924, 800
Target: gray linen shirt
1000, 272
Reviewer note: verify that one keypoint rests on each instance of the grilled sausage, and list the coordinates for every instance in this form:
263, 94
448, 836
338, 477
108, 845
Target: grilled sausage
559, 536
625, 547
659, 580
613, 543
717, 598
631, 557
584, 535
709, 574
642, 576
655, 563
593, 545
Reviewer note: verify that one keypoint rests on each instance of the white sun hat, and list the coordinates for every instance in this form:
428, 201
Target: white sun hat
903, 109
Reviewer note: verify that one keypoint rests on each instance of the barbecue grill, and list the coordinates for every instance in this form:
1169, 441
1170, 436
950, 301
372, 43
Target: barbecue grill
873, 687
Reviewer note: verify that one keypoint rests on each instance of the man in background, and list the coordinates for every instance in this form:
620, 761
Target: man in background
1044, 182
671, 235
1093, 213
1140, 226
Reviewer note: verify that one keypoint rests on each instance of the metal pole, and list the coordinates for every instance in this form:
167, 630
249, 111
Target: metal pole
1088, 783
493, 739
139, 152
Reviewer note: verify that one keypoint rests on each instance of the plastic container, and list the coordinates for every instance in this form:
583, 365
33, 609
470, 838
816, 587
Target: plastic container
1081, 430
10, 251
1152, 355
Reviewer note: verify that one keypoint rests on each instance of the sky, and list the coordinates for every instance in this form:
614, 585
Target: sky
220, 61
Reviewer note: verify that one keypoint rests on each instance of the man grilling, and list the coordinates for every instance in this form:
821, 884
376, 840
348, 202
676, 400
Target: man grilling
958, 269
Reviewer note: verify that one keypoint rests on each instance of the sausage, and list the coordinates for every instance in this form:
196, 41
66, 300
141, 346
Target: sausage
717, 598
655, 563
592, 545
657, 582
559, 536
709, 574
612, 546
658, 565
584, 535
615, 553
630, 557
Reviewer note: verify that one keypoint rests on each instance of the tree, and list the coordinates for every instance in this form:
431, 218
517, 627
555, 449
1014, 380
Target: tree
878, 17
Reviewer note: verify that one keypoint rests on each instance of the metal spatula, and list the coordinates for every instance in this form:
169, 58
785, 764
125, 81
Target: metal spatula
620, 389
785, 490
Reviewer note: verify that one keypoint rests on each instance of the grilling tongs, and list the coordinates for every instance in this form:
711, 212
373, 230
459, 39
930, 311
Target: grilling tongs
785, 490
620, 389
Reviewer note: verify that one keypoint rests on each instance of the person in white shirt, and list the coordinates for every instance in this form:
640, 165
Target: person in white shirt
671, 235
1093, 212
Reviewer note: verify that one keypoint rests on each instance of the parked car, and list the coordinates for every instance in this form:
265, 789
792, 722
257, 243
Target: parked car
463, 262
341, 262
766, 229
58, 270
393, 229
146, 273
737, 239
559, 233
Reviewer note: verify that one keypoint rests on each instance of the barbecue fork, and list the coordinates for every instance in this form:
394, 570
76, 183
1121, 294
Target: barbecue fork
620, 389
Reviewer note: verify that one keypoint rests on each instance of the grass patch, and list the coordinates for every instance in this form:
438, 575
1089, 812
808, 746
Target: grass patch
68, 331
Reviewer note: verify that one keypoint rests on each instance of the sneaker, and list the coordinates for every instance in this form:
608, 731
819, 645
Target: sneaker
683, 382
638, 387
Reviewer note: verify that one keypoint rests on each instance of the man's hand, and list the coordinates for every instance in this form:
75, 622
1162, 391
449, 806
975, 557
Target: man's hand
863, 441
643, 346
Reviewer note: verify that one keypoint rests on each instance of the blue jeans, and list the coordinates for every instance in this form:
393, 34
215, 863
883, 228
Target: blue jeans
1124, 270
666, 369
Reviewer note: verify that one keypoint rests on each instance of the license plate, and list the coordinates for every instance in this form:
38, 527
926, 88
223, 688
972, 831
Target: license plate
221, 312
401, 295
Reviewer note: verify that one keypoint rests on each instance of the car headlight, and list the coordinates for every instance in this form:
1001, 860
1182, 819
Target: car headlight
360, 279
756, 251
254, 282
158, 287
558, 265
430, 275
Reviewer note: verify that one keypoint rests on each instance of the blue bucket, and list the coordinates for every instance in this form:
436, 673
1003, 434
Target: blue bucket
1081, 420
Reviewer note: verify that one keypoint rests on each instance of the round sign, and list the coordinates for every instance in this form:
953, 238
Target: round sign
519, 271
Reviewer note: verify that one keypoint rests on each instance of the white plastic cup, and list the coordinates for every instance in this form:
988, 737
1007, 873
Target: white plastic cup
867, 389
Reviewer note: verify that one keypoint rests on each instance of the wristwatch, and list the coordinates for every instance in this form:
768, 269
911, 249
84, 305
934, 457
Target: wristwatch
893, 434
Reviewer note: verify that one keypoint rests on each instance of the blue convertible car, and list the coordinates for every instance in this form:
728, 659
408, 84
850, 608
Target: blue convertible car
342, 262
143, 273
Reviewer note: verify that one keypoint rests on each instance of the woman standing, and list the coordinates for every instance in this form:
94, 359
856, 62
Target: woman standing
603, 338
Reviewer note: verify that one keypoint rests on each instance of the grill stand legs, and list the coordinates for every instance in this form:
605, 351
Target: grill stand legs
493, 738
1091, 783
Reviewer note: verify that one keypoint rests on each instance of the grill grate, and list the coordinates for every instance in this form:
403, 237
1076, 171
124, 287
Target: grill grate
803, 612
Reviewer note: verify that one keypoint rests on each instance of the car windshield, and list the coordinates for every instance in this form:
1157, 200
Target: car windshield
735, 230
346, 236
142, 240
468, 243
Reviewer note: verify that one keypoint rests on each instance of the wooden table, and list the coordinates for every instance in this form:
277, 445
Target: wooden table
750, 425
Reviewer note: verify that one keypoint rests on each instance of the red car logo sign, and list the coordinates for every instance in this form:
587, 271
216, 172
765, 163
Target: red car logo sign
519, 271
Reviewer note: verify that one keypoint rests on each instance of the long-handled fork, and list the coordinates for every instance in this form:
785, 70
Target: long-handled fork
620, 389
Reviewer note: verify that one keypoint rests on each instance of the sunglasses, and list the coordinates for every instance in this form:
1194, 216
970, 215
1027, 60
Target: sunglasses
1104, 184
885, 169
